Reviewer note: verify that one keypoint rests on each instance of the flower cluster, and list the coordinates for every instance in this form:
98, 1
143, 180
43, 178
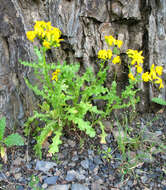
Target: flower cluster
107, 54
154, 75
55, 74
136, 56
104, 54
136, 60
49, 35
112, 41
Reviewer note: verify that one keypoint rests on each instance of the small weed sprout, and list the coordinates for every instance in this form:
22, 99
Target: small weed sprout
11, 140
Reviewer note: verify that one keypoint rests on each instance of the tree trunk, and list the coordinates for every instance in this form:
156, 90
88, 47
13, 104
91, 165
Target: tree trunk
141, 24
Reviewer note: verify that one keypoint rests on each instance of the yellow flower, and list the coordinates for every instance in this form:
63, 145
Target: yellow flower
146, 77
116, 60
153, 72
49, 35
159, 81
159, 70
119, 43
130, 75
102, 54
31, 35
139, 69
38, 28
110, 40
46, 44
135, 56
109, 54
55, 74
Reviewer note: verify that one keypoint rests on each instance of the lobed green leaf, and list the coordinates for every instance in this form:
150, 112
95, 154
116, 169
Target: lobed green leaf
14, 140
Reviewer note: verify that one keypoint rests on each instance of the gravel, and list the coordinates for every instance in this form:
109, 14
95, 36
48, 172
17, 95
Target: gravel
86, 168
51, 180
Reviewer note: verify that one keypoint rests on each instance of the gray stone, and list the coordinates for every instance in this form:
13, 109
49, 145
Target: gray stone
17, 176
79, 187
72, 164
74, 158
20, 187
144, 179
129, 183
90, 152
44, 166
51, 180
80, 176
71, 143
71, 175
158, 133
138, 171
45, 185
97, 160
85, 164
2, 176
98, 185
59, 187
91, 165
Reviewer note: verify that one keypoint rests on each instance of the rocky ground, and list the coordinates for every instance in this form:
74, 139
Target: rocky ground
84, 164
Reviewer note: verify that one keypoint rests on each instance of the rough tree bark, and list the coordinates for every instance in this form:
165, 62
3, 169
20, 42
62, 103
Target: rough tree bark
141, 24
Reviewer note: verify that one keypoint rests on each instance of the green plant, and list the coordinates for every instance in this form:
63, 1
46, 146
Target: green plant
55, 157
11, 140
64, 101
34, 181
106, 154
124, 140
67, 98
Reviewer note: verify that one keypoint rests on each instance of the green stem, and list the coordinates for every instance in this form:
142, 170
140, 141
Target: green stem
46, 71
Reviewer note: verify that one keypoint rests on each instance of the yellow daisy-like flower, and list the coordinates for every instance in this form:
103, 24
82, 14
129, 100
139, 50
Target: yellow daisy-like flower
159, 70
116, 60
146, 77
38, 28
110, 40
109, 54
55, 74
49, 35
159, 81
153, 74
31, 35
135, 56
119, 43
130, 75
102, 54
139, 69
46, 44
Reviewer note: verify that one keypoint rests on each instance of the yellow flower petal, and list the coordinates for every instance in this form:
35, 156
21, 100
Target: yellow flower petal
110, 40
139, 69
102, 54
55, 74
31, 35
46, 44
135, 56
119, 43
109, 54
146, 77
116, 60
130, 75
159, 70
